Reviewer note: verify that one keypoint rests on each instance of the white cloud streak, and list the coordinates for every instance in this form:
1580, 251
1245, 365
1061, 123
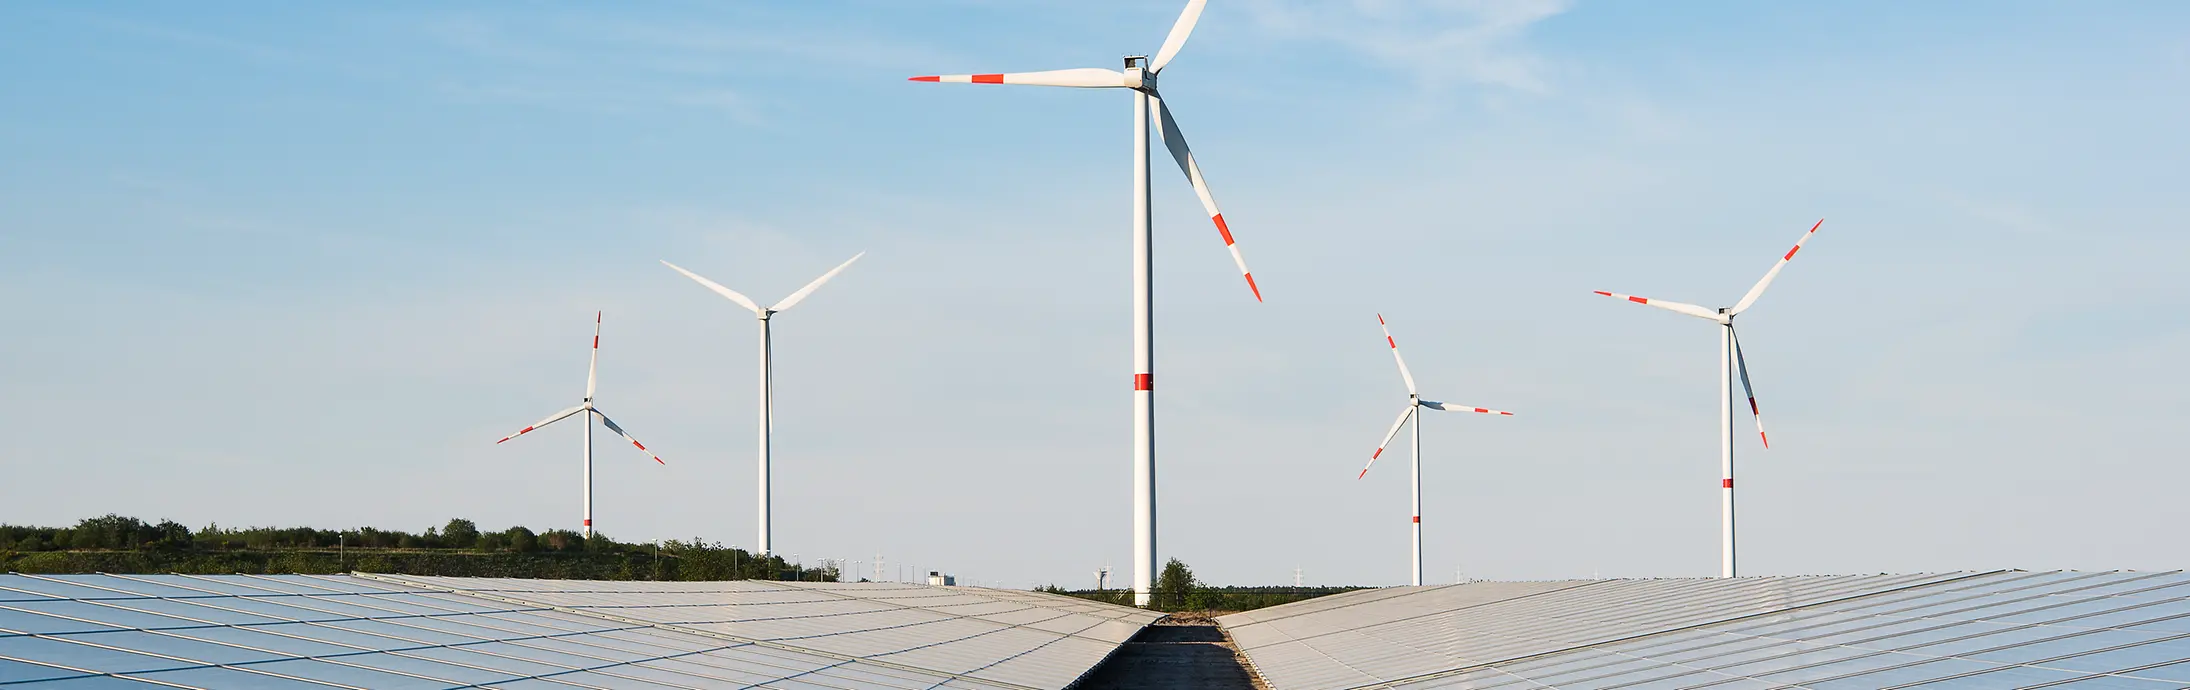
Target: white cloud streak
1442, 43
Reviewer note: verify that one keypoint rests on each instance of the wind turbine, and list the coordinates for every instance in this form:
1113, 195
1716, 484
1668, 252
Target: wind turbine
1414, 404
1730, 362
1140, 78
767, 372
587, 407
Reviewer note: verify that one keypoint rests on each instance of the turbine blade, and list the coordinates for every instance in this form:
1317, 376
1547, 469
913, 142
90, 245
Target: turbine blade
717, 287
1174, 140
810, 287
1766, 281
1689, 309
1449, 407
611, 424
595, 363
1403, 373
557, 417
1084, 77
1742, 364
1177, 39
1403, 414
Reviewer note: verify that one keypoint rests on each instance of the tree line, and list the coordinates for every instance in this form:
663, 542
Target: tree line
119, 544
1177, 590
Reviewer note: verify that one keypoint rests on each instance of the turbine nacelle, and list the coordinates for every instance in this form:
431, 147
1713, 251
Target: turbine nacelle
589, 412
1139, 75
1414, 400
1734, 366
765, 543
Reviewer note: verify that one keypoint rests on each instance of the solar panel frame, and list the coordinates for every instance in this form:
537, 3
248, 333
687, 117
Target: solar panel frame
1997, 629
379, 631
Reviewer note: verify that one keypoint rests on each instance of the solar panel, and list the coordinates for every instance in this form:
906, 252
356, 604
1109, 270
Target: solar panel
376, 631
2003, 629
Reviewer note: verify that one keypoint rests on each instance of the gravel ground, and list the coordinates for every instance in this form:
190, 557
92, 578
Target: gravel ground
1182, 651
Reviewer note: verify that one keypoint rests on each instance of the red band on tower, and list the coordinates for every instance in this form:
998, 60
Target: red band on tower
1144, 382
1726, 483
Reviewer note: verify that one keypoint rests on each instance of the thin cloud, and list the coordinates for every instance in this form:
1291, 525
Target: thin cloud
1440, 42
2002, 214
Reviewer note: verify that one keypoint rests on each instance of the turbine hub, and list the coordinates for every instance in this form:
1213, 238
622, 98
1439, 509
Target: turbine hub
1137, 75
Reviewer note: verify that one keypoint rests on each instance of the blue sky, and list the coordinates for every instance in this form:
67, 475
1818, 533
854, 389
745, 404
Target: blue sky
282, 264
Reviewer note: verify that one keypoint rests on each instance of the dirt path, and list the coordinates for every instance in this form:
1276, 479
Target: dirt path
1177, 652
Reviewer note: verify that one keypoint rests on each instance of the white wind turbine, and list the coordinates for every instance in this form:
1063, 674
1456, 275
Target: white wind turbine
1730, 362
767, 372
587, 407
1414, 404
1140, 77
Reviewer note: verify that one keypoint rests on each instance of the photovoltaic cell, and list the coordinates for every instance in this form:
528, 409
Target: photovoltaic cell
1989, 630
372, 631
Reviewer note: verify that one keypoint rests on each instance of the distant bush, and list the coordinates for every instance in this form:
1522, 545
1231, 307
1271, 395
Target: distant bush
1177, 590
460, 534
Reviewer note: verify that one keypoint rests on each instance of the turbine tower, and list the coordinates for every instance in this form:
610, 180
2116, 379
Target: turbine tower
587, 406
1730, 362
767, 372
1415, 404
1140, 78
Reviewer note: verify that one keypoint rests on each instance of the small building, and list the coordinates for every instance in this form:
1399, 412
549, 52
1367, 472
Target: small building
938, 579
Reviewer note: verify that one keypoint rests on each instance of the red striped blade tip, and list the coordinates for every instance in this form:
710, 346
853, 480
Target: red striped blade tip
924, 79
1251, 286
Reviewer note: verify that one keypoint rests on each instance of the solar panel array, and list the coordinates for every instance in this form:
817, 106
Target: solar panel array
300, 631
1990, 630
